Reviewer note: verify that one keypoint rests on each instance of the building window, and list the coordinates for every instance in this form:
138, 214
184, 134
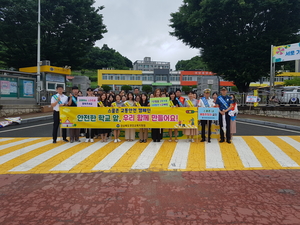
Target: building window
137, 77
150, 78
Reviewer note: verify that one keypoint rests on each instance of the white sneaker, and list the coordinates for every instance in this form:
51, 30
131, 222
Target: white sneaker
87, 140
92, 140
119, 140
192, 140
116, 140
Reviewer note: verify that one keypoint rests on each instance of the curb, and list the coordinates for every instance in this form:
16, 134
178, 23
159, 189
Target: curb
279, 125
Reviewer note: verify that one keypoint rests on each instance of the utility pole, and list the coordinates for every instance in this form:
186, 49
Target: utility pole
39, 54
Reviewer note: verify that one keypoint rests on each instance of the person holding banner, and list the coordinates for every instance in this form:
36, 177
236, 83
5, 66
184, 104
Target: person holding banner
157, 133
225, 104
117, 103
103, 103
179, 98
190, 102
173, 103
233, 113
129, 132
58, 100
90, 133
144, 102
72, 101
206, 102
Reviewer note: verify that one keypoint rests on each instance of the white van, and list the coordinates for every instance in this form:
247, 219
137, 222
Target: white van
290, 95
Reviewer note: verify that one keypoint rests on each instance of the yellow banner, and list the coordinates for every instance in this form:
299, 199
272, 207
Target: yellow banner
128, 117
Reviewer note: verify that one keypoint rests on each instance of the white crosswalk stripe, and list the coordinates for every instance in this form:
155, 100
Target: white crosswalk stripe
17, 143
114, 156
28, 165
145, 159
14, 154
291, 142
5, 139
213, 155
75, 159
245, 153
283, 159
180, 155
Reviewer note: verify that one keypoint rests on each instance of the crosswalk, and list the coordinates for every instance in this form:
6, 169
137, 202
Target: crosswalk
39, 155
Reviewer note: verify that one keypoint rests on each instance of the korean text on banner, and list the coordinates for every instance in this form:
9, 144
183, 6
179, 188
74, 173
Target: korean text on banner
208, 113
286, 52
159, 102
87, 101
251, 98
128, 117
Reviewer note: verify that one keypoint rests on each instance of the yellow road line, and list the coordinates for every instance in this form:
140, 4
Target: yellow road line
286, 148
231, 157
46, 166
5, 167
10, 141
90, 162
163, 157
129, 158
20, 146
196, 159
263, 156
296, 138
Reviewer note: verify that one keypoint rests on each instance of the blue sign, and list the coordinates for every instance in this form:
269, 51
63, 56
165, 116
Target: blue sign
208, 113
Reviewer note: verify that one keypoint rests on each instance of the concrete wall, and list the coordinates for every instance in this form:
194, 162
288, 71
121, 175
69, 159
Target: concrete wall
280, 112
16, 110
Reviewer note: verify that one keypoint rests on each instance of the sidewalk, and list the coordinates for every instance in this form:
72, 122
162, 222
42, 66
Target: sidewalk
286, 123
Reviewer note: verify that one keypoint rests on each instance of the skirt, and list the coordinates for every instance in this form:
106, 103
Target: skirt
232, 126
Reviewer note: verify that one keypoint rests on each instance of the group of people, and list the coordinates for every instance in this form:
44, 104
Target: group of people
227, 113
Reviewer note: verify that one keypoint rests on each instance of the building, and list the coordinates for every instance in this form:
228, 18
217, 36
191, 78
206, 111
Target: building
148, 65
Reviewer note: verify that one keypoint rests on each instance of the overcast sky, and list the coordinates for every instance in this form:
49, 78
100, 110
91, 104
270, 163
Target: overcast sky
140, 28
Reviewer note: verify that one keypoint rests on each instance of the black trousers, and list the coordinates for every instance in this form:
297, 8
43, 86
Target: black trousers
203, 124
156, 134
227, 118
90, 131
56, 125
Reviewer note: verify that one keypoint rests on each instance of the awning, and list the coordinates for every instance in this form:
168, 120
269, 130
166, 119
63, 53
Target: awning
227, 83
161, 84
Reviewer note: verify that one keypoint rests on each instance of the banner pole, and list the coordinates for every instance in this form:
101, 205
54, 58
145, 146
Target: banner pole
271, 73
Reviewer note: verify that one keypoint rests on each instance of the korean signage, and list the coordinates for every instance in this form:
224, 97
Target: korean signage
208, 113
286, 52
128, 117
87, 101
251, 98
160, 102
5, 87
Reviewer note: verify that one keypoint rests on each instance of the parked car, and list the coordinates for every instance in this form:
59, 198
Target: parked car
290, 95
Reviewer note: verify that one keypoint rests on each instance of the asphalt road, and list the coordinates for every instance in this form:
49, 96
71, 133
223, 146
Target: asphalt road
44, 129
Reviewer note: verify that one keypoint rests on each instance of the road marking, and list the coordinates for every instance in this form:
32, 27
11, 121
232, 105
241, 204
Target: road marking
22, 128
28, 165
276, 152
230, 156
295, 144
5, 139
17, 143
196, 160
245, 153
78, 157
270, 127
163, 157
213, 156
180, 155
145, 159
22, 151
114, 156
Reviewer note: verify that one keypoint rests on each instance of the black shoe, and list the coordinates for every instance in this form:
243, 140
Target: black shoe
65, 140
229, 142
54, 142
78, 140
202, 140
141, 141
221, 141
157, 140
208, 140
154, 140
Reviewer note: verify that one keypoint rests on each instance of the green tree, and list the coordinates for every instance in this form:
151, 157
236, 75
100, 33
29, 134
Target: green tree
195, 63
147, 88
292, 82
106, 58
235, 36
69, 29
186, 89
106, 88
126, 88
